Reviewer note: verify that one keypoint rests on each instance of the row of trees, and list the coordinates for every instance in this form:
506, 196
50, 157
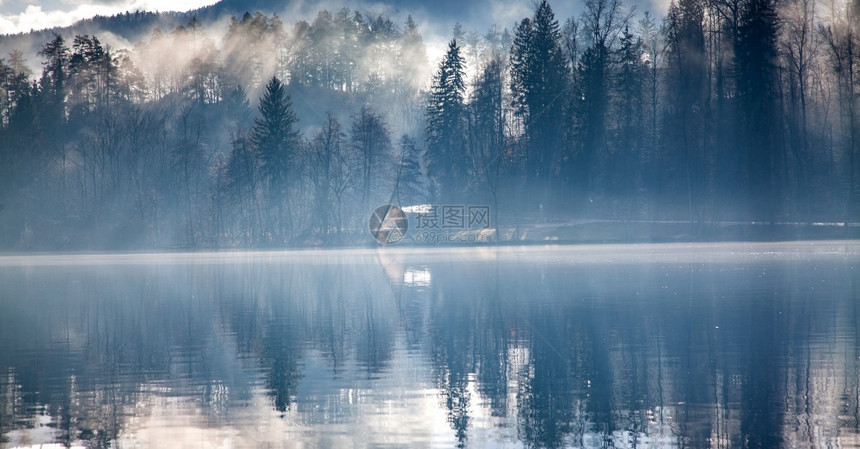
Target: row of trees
160, 146
727, 110
730, 109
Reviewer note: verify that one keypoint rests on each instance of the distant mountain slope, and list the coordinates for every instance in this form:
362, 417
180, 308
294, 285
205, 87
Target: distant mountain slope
437, 17
122, 30
131, 27
436, 10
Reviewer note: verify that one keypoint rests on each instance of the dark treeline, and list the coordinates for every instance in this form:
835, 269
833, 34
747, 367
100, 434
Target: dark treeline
267, 135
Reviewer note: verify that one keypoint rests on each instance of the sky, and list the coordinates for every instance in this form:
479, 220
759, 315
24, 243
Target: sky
25, 15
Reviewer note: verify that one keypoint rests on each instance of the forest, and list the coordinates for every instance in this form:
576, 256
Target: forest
274, 135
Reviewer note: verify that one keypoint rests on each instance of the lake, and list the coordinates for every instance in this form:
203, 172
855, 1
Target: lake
679, 345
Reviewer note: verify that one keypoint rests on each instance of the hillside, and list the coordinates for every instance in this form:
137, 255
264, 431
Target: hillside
123, 30
119, 30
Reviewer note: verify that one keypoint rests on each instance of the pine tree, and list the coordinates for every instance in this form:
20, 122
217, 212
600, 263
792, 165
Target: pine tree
411, 188
52, 85
756, 61
445, 131
412, 49
539, 82
686, 96
93, 73
14, 84
628, 89
600, 23
56, 70
590, 106
522, 74
277, 143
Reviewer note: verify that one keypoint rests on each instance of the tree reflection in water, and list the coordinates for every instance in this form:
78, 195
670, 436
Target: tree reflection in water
512, 346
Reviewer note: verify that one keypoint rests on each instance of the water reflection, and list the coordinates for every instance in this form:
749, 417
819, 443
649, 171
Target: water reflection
514, 347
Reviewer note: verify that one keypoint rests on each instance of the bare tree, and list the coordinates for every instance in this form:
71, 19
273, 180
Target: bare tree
329, 174
371, 143
842, 42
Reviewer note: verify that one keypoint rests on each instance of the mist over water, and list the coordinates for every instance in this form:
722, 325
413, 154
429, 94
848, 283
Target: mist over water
717, 345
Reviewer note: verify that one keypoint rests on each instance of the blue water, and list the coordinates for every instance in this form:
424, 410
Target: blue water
704, 345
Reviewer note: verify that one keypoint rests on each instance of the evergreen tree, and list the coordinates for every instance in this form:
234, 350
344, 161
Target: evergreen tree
408, 82
20, 134
248, 46
411, 188
539, 80
56, 71
445, 131
684, 174
14, 84
93, 73
589, 113
756, 62
52, 85
488, 138
600, 25
628, 88
277, 144
49, 133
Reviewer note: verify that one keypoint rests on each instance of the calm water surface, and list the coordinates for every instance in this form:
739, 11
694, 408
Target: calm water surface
713, 345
